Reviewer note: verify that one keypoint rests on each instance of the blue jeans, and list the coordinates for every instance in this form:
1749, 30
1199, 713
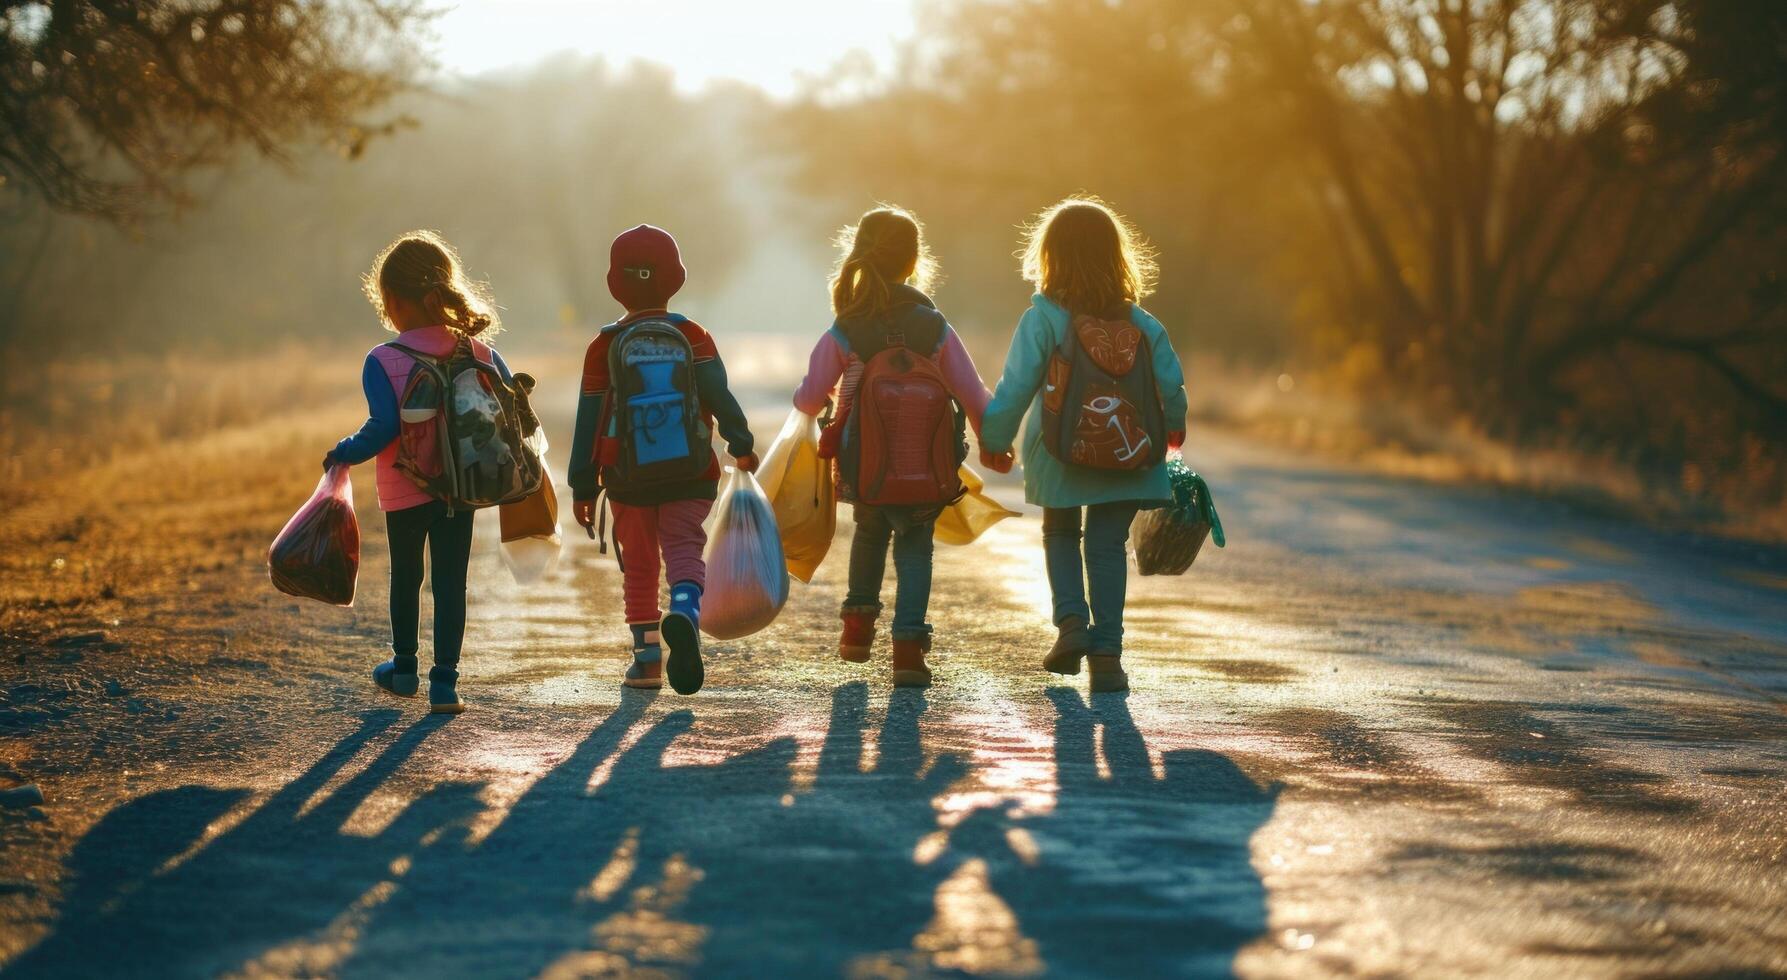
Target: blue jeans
448, 541
1106, 567
910, 529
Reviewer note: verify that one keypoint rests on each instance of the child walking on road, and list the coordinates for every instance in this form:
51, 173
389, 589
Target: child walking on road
423, 295
906, 387
1105, 398
653, 389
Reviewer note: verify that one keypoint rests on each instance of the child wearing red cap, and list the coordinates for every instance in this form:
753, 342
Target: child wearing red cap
654, 389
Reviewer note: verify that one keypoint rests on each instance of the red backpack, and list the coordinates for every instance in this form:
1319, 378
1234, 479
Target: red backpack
906, 436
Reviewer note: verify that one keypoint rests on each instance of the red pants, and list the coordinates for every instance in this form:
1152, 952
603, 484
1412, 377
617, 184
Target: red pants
643, 533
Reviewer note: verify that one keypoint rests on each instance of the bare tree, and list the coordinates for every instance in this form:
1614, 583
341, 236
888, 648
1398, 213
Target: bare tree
1518, 188
106, 106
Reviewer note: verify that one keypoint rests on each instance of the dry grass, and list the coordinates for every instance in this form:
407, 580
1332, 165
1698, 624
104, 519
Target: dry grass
1320, 413
66, 415
132, 482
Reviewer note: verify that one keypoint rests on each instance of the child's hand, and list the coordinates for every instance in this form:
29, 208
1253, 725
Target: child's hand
746, 463
997, 462
330, 460
830, 438
1176, 440
585, 512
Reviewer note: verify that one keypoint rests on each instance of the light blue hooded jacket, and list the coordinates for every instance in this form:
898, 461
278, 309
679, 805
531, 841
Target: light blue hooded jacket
1048, 482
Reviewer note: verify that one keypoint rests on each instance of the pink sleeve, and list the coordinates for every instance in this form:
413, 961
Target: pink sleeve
824, 368
964, 381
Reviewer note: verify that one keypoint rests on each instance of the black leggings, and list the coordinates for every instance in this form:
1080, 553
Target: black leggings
449, 541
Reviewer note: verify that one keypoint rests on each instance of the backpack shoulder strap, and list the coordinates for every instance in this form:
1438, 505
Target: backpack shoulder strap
412, 352
904, 325
924, 327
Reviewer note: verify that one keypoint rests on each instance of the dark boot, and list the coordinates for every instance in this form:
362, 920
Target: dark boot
1072, 644
859, 633
1107, 672
443, 691
909, 669
397, 676
647, 669
681, 630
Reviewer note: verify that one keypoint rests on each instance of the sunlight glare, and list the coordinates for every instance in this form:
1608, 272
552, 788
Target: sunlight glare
771, 44
975, 931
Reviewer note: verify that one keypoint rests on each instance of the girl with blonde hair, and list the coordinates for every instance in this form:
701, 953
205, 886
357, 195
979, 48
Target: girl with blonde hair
1104, 396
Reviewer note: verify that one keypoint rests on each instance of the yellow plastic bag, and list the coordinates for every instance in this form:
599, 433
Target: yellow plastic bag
799, 485
969, 517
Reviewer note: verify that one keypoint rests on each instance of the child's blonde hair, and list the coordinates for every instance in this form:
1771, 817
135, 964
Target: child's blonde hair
886, 247
1085, 256
421, 264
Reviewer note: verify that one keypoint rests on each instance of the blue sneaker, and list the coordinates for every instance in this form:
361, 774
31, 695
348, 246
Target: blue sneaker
443, 692
647, 669
397, 677
681, 630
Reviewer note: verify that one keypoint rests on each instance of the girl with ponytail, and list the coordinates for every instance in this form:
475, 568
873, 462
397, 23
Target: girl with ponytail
422, 294
878, 298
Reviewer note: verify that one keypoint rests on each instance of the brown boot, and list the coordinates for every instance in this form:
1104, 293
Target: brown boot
646, 672
909, 663
647, 676
1107, 672
859, 634
1073, 643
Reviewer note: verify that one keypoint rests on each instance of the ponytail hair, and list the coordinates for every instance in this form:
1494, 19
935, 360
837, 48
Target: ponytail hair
887, 247
423, 268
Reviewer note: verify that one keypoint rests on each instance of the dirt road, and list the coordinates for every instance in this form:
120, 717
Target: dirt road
1393, 728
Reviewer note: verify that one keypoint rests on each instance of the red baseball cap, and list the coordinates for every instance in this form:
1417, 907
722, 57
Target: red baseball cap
645, 268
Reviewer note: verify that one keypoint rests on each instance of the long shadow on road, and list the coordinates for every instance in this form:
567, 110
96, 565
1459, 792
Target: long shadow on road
532, 892
826, 881
719, 868
281, 873
723, 869
1132, 873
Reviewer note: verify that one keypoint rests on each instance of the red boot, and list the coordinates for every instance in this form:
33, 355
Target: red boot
859, 634
909, 663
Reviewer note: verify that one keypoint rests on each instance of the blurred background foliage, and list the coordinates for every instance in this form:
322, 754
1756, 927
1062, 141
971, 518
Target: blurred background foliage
1552, 223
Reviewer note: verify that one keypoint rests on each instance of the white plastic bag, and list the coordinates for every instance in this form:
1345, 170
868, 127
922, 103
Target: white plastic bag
532, 559
531, 540
799, 486
747, 578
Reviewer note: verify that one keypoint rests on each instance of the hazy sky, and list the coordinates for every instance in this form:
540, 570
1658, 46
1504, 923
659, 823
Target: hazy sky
768, 43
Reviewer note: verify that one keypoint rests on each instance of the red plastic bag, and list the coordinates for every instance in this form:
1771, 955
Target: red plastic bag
317, 554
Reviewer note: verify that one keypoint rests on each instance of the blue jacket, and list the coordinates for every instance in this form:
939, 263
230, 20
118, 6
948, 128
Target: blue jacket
1048, 482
